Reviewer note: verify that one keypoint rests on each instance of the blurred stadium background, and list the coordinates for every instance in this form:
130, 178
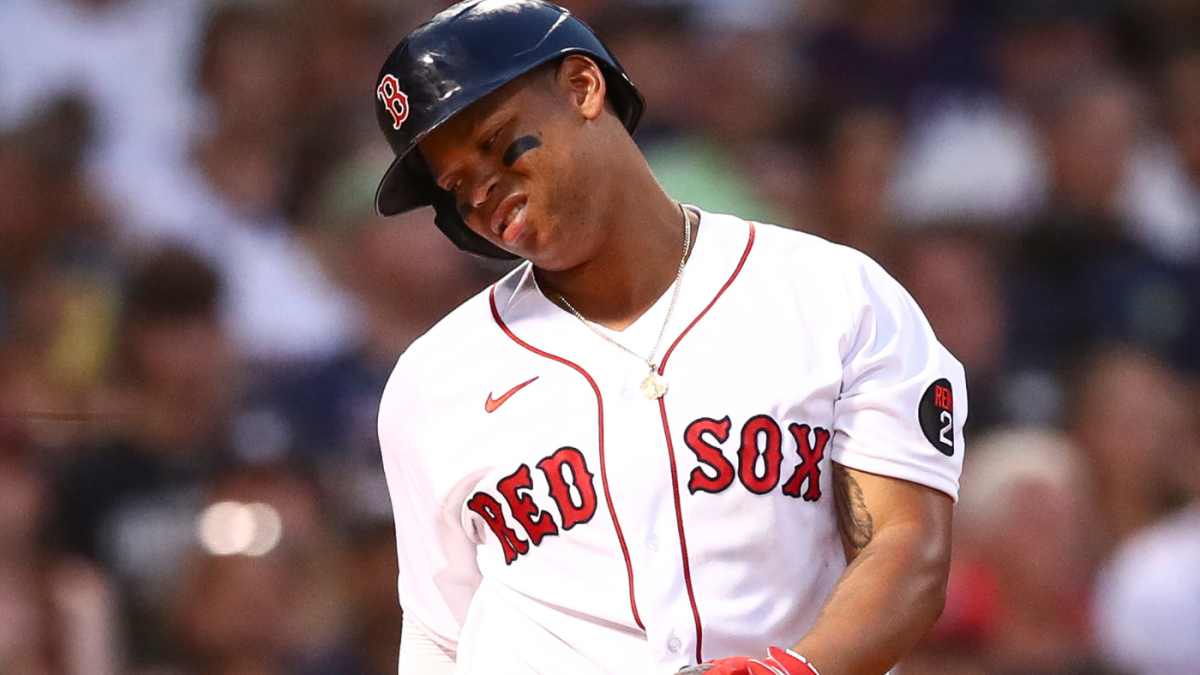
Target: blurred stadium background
198, 309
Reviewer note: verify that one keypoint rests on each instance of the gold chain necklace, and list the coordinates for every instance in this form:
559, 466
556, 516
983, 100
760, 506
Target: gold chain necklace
655, 385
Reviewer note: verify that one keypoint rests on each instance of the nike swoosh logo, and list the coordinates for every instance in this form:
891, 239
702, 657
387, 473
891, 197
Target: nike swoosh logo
491, 404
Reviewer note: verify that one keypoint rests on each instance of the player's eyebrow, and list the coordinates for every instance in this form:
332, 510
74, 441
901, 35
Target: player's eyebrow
519, 147
484, 133
490, 128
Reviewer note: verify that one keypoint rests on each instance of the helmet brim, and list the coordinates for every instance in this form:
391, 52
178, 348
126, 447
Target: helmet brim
402, 189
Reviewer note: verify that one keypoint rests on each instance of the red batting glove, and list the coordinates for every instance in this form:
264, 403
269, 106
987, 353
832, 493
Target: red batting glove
734, 665
778, 662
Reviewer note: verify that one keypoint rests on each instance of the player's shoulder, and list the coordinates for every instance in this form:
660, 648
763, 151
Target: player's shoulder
462, 343
799, 257
811, 250
451, 339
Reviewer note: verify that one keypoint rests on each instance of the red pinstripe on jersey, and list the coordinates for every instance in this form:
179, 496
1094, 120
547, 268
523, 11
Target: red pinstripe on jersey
662, 407
600, 411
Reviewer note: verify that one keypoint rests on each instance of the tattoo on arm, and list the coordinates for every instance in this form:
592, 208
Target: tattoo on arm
854, 520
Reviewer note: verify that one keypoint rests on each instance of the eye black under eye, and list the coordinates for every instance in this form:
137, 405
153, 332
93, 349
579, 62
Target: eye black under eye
518, 148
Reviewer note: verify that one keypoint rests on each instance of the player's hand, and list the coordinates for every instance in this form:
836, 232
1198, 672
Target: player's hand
777, 662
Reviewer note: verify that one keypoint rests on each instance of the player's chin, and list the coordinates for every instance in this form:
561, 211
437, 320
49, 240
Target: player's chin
549, 253
536, 244
519, 246
536, 238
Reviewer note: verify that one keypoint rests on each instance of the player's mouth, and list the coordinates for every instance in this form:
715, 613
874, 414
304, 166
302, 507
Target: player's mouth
508, 220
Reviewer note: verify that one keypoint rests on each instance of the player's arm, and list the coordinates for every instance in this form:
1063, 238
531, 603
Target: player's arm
438, 574
899, 418
897, 539
896, 535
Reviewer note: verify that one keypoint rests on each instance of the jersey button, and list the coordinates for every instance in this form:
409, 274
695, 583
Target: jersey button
653, 542
674, 645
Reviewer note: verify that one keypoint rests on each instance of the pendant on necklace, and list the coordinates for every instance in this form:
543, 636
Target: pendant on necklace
654, 386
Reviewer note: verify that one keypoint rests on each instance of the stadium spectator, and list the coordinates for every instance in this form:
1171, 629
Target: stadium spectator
374, 619
1126, 399
264, 590
855, 168
131, 62
1078, 276
1147, 612
58, 276
980, 157
405, 276
902, 56
1182, 112
1026, 542
58, 613
224, 200
128, 499
699, 152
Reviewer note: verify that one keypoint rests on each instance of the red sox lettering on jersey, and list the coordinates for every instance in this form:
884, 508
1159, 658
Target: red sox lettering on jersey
805, 481
552, 519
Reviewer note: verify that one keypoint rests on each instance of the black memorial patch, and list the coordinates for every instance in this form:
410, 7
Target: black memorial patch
936, 415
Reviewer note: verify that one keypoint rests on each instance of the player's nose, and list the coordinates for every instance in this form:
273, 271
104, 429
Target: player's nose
482, 189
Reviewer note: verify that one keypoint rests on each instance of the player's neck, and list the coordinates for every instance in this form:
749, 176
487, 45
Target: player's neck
636, 263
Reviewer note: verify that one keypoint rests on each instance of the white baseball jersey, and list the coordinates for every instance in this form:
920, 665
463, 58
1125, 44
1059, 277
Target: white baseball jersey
550, 519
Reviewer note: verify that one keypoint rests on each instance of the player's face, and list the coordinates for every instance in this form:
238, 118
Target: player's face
518, 163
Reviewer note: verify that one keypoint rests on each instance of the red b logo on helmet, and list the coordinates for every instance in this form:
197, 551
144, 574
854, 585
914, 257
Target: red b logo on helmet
393, 99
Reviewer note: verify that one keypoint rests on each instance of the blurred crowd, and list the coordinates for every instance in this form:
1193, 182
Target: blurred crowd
199, 309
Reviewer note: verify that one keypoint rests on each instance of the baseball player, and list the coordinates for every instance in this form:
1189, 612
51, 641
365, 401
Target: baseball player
668, 438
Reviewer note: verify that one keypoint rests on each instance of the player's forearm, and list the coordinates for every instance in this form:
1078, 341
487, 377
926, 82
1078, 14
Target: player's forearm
886, 600
897, 536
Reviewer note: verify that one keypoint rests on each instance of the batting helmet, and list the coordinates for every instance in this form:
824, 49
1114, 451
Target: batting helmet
456, 58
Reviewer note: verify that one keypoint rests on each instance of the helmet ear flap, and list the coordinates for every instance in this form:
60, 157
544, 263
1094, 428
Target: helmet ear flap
446, 215
448, 220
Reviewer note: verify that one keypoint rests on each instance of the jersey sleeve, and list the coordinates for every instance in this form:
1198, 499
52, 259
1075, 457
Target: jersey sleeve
903, 399
438, 570
420, 655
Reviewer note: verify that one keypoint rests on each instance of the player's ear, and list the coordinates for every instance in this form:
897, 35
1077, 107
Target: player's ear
582, 80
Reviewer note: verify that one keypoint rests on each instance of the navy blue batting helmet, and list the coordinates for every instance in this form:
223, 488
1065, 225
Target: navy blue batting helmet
456, 58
